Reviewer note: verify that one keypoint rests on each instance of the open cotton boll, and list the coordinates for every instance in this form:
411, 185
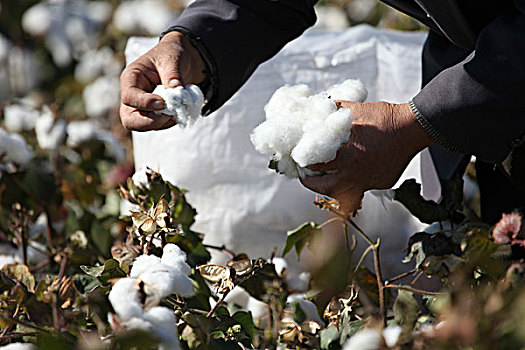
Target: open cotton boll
287, 99
163, 280
366, 339
125, 298
309, 309
20, 116
174, 256
19, 346
163, 321
348, 90
50, 133
303, 128
142, 263
183, 103
14, 148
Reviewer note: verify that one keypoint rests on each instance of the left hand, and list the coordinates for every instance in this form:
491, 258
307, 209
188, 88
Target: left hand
383, 139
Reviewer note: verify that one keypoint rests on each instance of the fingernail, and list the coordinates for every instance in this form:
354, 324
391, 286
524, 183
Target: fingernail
173, 83
158, 104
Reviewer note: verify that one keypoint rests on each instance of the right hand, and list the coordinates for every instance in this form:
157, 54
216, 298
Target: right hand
172, 62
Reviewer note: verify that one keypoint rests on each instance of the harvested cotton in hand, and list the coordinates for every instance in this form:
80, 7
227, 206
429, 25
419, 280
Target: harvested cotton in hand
183, 103
304, 128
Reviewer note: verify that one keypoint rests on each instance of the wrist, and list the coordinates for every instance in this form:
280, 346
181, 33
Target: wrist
417, 138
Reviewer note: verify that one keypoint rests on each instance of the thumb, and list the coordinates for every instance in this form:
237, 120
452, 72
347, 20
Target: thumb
170, 74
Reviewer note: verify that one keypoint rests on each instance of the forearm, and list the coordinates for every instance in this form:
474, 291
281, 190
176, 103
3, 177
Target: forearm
477, 106
236, 38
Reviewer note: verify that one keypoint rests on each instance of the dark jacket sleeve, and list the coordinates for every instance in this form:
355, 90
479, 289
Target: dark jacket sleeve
235, 36
478, 106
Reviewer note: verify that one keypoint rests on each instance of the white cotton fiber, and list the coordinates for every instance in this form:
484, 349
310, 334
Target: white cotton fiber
142, 263
183, 103
303, 128
125, 298
174, 256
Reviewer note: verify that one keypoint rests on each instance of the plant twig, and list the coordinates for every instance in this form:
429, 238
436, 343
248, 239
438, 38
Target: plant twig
222, 248
403, 275
219, 302
363, 256
413, 290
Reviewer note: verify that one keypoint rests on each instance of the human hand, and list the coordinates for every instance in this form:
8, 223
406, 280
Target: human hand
383, 139
172, 62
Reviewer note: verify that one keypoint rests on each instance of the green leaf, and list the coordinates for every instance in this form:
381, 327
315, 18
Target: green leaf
246, 321
328, 336
349, 328
110, 269
406, 309
299, 237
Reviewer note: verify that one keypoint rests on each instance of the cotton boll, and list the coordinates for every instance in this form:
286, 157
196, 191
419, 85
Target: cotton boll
50, 133
391, 335
85, 130
303, 128
317, 145
278, 136
21, 116
142, 263
340, 123
173, 256
280, 265
125, 298
134, 17
183, 103
5, 46
330, 18
163, 280
366, 339
299, 283
14, 149
19, 346
101, 96
309, 309
349, 90
37, 20
164, 325
287, 100
94, 63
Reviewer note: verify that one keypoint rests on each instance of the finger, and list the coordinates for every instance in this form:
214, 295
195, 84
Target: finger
350, 202
170, 72
323, 167
134, 119
323, 184
139, 99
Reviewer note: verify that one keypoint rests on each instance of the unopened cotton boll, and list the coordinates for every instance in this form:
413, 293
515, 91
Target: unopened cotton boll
183, 103
125, 298
303, 128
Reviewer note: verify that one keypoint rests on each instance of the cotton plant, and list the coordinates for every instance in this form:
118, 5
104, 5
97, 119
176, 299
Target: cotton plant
304, 128
156, 278
183, 103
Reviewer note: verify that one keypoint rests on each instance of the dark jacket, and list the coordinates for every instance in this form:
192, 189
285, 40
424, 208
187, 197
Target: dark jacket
473, 98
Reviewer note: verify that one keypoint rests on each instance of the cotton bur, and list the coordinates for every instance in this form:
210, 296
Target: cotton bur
304, 128
183, 103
